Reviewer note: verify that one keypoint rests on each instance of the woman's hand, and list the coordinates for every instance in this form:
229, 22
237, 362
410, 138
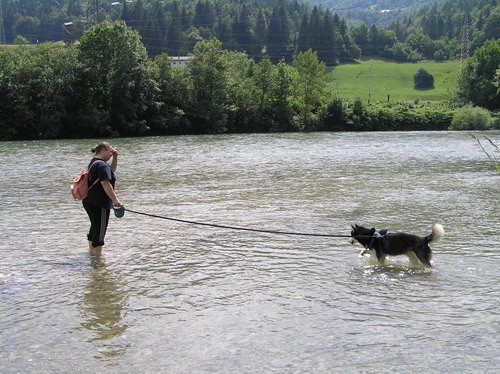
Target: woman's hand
114, 152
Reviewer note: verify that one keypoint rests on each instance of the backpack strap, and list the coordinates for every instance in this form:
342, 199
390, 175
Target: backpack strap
97, 180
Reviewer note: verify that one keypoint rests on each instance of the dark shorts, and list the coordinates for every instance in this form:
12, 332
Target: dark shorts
99, 218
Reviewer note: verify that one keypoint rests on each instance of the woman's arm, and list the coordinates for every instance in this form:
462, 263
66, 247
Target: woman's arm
108, 188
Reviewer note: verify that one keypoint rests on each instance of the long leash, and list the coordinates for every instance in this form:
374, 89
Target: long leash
276, 232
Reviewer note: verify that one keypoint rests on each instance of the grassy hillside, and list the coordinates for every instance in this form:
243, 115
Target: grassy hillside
377, 79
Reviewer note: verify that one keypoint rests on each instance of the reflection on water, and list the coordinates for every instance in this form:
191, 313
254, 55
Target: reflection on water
102, 308
177, 298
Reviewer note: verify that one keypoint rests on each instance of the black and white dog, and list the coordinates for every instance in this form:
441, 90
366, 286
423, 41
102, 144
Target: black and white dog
385, 244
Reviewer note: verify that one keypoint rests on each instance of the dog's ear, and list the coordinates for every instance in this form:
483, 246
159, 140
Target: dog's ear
372, 231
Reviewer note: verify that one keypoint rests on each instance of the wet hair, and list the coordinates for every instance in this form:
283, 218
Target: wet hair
99, 147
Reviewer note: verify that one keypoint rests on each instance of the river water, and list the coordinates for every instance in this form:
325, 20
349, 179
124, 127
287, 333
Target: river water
172, 297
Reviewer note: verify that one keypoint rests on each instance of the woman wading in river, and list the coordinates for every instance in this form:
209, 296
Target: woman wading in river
101, 196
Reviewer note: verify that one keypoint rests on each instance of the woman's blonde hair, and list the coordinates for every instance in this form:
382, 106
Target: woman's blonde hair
99, 147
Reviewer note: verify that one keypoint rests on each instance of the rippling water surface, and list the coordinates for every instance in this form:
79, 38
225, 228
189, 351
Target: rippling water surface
179, 298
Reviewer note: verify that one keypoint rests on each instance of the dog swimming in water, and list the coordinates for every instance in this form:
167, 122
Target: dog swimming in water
384, 243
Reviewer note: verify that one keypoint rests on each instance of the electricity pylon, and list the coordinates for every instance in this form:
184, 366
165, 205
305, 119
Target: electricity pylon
95, 12
464, 52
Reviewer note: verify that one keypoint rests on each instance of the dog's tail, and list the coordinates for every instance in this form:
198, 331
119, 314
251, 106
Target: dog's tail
436, 234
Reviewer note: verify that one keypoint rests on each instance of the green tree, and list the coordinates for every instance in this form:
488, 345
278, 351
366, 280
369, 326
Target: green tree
35, 87
421, 43
477, 78
278, 36
262, 74
210, 85
492, 24
313, 32
339, 38
154, 36
359, 34
303, 43
174, 32
204, 14
330, 41
173, 98
374, 37
333, 117
243, 30
279, 103
309, 88
137, 15
388, 38
115, 83
21, 40
350, 47
243, 94
402, 52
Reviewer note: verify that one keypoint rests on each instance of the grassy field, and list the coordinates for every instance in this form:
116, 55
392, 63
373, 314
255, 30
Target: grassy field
375, 79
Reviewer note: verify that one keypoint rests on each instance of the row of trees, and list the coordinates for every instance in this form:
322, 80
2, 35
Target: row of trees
107, 86
437, 30
274, 29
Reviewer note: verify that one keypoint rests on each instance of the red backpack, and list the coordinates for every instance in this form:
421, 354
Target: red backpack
80, 186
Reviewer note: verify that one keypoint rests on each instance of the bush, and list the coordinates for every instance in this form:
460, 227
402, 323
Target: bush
21, 40
333, 118
471, 118
495, 121
423, 79
396, 116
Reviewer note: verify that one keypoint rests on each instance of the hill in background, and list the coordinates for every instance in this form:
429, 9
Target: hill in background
379, 12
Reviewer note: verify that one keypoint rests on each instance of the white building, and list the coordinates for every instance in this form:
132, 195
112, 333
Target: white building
180, 61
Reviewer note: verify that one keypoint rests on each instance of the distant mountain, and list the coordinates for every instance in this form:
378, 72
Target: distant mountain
379, 12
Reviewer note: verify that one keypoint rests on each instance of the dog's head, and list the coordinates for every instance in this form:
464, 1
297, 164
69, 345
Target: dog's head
361, 235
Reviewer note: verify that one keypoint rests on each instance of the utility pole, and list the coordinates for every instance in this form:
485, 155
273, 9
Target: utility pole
95, 13
3, 39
